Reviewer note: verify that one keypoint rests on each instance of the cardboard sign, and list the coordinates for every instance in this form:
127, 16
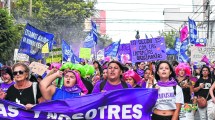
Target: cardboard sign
148, 49
38, 68
85, 53
100, 54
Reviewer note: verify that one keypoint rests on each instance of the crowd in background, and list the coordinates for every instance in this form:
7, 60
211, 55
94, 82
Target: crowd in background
179, 84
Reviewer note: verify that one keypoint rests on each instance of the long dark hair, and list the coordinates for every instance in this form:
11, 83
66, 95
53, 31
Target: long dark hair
172, 75
99, 66
204, 66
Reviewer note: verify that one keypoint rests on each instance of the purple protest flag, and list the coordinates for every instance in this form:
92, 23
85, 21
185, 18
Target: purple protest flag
192, 31
116, 104
184, 33
124, 53
112, 49
205, 59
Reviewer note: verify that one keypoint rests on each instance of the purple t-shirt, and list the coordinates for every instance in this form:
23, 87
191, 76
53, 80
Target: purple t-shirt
5, 86
107, 87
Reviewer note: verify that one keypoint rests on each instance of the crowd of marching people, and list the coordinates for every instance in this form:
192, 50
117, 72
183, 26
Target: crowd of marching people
183, 88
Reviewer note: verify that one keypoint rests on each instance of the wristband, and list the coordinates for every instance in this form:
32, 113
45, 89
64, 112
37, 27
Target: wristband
192, 95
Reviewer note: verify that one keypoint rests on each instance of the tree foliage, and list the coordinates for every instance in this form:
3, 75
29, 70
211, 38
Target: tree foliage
169, 38
104, 41
64, 18
10, 35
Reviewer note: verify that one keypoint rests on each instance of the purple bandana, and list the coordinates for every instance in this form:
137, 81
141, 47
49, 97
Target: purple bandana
169, 83
140, 72
74, 89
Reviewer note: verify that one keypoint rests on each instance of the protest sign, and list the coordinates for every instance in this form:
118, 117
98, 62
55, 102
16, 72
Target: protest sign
20, 56
100, 54
124, 53
38, 68
148, 49
33, 40
85, 53
45, 48
110, 105
198, 52
54, 56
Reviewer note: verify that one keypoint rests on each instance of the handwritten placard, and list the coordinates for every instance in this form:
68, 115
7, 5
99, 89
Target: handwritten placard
198, 52
38, 68
148, 49
54, 56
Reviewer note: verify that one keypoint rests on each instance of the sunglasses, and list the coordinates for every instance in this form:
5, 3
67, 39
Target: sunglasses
20, 72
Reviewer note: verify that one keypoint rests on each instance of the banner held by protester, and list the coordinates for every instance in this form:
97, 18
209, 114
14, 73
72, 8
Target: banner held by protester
119, 105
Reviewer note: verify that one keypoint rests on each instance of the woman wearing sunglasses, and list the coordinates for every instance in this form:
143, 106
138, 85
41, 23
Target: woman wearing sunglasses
72, 87
22, 91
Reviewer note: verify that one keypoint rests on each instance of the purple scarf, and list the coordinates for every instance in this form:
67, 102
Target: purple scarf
73, 89
169, 83
140, 72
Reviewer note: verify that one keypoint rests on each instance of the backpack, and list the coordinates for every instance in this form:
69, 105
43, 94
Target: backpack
174, 88
102, 84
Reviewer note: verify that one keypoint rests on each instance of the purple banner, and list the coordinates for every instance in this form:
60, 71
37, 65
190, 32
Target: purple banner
118, 104
124, 53
148, 49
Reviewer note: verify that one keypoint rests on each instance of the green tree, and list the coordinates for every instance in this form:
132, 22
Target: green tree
64, 18
104, 41
169, 38
10, 35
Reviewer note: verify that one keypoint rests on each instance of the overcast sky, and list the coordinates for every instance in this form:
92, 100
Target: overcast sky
125, 18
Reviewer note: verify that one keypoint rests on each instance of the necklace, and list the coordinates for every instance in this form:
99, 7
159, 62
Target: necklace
20, 91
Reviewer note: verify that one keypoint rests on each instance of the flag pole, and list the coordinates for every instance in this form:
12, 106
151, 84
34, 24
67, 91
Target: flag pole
95, 54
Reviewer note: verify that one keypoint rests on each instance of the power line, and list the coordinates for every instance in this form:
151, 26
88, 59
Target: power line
148, 4
146, 11
199, 9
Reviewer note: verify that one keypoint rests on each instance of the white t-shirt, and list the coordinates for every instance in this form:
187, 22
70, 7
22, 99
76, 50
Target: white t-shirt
167, 99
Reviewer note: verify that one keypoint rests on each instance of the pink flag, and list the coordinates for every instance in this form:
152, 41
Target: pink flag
184, 33
205, 59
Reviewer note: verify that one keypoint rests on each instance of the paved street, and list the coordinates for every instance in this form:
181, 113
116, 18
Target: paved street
197, 116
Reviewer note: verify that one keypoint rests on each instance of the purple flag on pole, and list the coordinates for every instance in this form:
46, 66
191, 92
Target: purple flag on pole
124, 53
112, 49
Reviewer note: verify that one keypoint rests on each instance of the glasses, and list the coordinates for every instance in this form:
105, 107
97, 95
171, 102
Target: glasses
20, 72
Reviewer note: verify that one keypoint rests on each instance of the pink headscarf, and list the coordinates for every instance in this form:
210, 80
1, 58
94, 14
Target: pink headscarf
79, 82
183, 66
133, 74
